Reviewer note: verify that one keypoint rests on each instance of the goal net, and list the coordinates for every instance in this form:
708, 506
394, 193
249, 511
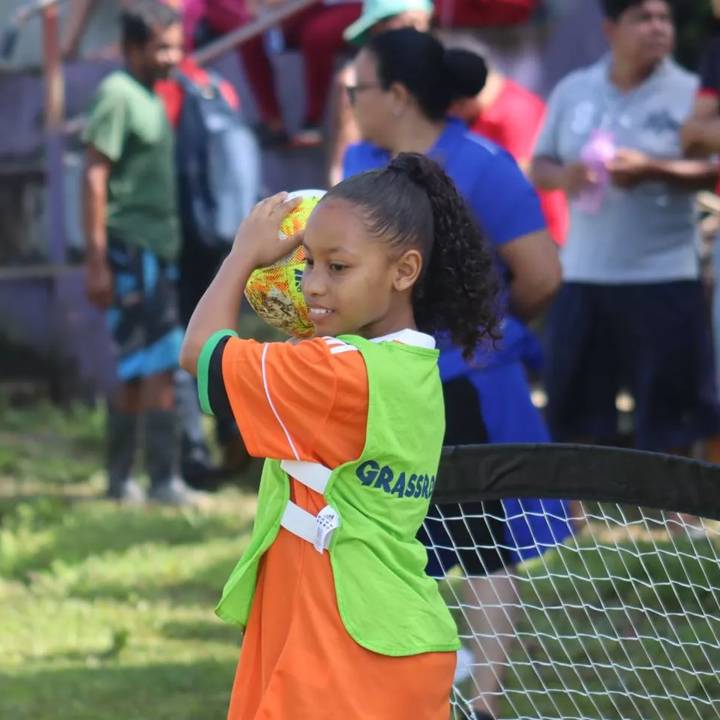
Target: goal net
621, 621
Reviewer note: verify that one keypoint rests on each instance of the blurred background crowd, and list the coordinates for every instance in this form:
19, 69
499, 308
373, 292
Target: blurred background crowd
583, 134
617, 137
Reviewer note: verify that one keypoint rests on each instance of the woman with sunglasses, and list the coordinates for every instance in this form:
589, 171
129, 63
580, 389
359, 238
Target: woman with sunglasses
405, 83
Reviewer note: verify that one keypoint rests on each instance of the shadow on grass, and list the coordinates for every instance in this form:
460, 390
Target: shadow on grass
172, 691
51, 530
202, 588
205, 631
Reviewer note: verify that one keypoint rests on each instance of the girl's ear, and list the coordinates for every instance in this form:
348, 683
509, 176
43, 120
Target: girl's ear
407, 270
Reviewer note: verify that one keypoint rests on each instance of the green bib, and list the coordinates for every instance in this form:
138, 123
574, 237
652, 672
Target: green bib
386, 601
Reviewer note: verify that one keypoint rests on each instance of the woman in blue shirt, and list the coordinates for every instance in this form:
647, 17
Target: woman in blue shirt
404, 84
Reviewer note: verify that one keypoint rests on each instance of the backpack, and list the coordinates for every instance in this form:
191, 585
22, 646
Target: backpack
218, 164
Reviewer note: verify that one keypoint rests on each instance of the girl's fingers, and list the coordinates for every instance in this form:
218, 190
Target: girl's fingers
278, 199
267, 205
282, 209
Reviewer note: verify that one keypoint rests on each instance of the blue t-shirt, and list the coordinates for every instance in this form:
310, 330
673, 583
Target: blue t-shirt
504, 203
506, 208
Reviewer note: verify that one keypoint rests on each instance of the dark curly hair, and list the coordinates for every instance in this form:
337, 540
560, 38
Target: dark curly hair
413, 203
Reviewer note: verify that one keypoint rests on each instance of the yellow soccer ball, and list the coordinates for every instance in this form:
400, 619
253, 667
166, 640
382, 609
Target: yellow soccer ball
275, 292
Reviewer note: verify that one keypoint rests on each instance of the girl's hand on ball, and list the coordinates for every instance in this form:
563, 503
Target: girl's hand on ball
258, 240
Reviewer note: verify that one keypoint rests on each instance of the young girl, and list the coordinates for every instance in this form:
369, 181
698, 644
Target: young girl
340, 619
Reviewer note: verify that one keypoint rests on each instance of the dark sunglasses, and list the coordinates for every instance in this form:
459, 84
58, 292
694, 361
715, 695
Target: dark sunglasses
353, 90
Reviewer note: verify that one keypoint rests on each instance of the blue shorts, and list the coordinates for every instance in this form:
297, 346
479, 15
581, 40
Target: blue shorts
490, 405
144, 317
653, 340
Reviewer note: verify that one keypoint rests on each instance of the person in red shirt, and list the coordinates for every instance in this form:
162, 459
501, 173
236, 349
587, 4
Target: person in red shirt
318, 33
512, 116
483, 13
701, 132
171, 91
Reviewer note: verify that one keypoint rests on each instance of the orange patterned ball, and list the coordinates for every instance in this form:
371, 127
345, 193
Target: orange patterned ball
275, 292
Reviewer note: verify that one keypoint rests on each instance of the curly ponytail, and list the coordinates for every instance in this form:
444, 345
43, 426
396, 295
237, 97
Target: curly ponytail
413, 203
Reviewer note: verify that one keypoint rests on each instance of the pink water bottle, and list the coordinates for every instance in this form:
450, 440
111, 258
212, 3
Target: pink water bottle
598, 151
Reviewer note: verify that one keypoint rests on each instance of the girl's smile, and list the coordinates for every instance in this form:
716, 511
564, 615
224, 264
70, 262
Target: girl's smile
319, 314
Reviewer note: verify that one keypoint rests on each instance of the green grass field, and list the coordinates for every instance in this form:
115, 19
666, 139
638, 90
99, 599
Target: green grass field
107, 612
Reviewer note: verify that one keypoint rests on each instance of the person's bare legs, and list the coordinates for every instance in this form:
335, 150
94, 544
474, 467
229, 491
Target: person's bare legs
76, 24
492, 608
158, 392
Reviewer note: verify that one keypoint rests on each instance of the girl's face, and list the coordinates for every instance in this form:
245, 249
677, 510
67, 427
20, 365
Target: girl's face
375, 109
354, 283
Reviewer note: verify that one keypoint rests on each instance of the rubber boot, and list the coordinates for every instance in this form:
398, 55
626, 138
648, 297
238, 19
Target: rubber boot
162, 451
121, 446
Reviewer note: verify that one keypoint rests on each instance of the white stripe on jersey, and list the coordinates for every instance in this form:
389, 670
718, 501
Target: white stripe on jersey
342, 349
272, 406
333, 341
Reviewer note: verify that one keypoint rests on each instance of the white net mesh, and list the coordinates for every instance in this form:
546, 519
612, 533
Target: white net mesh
621, 622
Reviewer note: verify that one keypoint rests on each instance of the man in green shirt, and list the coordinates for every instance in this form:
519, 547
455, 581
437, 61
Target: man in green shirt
133, 241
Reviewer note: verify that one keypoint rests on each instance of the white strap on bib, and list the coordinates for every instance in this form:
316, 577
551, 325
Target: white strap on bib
314, 475
316, 529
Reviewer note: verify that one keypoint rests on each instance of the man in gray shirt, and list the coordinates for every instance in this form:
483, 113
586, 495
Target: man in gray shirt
631, 311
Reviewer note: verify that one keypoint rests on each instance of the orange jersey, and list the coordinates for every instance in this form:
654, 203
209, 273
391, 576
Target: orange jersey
310, 402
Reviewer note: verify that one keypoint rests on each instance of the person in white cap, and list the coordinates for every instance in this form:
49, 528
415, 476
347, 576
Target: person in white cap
376, 17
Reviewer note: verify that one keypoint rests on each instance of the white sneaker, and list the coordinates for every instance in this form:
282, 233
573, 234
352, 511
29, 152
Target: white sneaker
176, 492
695, 532
465, 661
129, 493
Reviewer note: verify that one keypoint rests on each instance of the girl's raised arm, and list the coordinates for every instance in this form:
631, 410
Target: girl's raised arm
256, 244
